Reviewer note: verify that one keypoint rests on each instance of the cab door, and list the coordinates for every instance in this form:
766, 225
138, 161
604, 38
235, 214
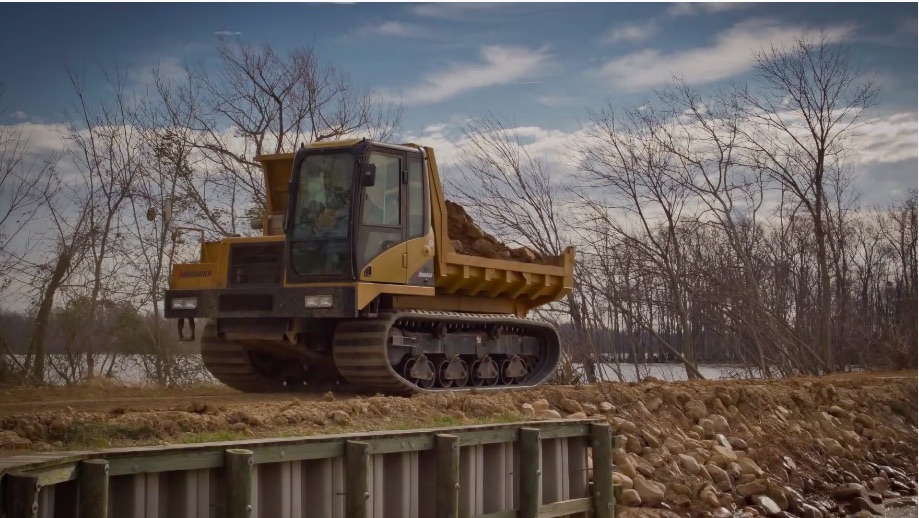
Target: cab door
380, 246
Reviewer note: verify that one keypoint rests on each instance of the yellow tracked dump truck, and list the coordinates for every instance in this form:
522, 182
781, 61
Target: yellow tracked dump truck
355, 286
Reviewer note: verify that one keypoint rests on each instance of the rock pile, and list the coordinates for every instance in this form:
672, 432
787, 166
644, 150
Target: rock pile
704, 455
468, 238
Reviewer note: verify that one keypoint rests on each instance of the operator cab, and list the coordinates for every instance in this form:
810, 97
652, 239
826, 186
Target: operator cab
350, 203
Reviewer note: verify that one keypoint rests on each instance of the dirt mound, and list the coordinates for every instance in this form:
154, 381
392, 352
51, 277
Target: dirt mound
469, 239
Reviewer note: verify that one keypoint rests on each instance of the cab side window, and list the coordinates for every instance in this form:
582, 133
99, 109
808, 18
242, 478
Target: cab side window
381, 201
415, 199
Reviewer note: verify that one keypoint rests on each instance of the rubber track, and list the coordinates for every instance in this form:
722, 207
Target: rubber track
360, 350
230, 364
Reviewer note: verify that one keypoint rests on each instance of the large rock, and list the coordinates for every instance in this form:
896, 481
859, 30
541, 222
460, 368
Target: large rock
756, 487
674, 446
571, 406
720, 477
540, 404
630, 498
651, 492
626, 464
832, 447
695, 409
606, 407
589, 408
733, 470
623, 426
725, 452
654, 459
576, 415
654, 404
622, 479
709, 498
721, 424
778, 496
723, 441
632, 444
749, 467
879, 484
863, 504
548, 414
849, 492
737, 443
681, 500
650, 439
484, 247
767, 504
689, 464
708, 428
527, 410
809, 511
340, 417
835, 411
681, 489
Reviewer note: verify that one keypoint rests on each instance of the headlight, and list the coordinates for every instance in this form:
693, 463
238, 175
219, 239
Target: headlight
318, 301
185, 303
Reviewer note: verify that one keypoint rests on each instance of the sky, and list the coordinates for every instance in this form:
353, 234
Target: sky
543, 65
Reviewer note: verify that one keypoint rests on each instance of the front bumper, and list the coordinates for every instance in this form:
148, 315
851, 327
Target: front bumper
265, 302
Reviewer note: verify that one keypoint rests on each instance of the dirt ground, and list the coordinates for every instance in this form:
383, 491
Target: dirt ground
787, 438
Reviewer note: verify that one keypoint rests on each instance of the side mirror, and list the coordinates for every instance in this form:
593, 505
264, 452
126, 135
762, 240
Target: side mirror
368, 175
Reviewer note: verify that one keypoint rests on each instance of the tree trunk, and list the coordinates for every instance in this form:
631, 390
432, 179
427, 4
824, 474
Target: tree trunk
37, 342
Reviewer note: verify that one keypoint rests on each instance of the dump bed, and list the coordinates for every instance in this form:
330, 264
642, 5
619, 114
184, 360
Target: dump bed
529, 284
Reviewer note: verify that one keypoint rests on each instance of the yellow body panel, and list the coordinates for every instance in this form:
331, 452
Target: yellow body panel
215, 258
419, 252
400, 262
387, 267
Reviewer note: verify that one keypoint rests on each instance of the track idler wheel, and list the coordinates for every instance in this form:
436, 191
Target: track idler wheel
514, 371
485, 372
453, 372
420, 371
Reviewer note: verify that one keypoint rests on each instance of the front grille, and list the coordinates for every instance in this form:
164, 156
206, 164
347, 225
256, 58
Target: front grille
254, 264
244, 302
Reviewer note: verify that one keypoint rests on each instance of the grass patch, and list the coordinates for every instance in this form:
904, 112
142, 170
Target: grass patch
215, 436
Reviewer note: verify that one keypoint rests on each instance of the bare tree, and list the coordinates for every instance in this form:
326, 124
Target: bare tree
809, 102
520, 197
635, 171
259, 101
104, 147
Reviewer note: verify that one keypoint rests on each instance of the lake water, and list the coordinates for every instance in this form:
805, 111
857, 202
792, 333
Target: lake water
130, 369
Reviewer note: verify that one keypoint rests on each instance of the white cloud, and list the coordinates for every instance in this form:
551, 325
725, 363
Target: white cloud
170, 68
629, 32
693, 8
453, 11
392, 28
19, 115
500, 65
886, 140
553, 101
396, 29
227, 33
729, 55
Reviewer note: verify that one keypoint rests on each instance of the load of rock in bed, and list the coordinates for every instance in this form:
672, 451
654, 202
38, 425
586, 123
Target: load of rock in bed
469, 239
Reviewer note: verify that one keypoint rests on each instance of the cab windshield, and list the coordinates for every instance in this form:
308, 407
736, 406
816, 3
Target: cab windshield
319, 237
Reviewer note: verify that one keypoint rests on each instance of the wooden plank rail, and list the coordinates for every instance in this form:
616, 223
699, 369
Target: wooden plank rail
515, 470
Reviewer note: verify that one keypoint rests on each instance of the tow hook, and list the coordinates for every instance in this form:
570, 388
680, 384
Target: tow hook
181, 324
